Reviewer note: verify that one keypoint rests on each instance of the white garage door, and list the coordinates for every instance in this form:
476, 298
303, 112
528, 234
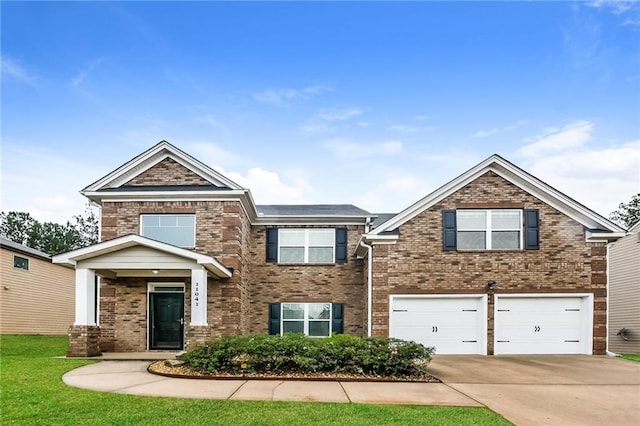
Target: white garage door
543, 325
454, 325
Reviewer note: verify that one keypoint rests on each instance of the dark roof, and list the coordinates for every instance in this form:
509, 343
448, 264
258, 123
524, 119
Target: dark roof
130, 188
311, 210
19, 248
382, 218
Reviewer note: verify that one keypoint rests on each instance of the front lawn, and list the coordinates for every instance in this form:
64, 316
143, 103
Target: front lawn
32, 392
631, 357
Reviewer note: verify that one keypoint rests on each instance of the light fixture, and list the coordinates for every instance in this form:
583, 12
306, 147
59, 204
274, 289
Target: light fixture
491, 285
155, 271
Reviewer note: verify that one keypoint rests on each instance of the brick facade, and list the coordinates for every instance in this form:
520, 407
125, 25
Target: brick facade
167, 172
417, 264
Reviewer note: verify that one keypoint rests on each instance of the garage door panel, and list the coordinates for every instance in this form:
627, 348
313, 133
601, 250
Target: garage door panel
541, 325
451, 325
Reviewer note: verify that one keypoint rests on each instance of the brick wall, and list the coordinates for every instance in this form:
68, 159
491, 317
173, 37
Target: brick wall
565, 263
167, 172
338, 283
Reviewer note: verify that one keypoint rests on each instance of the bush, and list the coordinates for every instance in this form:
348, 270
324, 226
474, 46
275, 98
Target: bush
295, 353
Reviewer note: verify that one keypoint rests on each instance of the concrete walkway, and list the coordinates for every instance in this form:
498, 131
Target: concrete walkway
527, 390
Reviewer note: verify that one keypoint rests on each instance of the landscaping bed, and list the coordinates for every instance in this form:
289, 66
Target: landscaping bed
297, 357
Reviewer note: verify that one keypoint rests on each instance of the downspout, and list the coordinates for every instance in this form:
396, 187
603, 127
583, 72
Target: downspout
369, 285
609, 353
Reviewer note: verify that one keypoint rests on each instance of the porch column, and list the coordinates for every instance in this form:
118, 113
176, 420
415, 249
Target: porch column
85, 297
199, 297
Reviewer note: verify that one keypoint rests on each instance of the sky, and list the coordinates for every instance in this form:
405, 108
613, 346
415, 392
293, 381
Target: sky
375, 104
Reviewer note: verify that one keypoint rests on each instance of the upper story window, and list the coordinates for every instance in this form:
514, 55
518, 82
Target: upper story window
489, 229
21, 263
176, 229
306, 245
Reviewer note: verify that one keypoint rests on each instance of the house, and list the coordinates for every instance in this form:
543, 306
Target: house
36, 296
493, 262
624, 293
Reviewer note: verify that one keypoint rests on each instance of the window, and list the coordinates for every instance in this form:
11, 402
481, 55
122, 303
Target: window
176, 229
311, 319
21, 263
489, 229
306, 245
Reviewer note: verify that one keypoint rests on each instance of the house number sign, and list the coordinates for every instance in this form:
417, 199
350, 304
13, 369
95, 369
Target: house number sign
196, 293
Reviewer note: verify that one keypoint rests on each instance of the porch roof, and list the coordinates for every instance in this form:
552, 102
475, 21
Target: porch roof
125, 242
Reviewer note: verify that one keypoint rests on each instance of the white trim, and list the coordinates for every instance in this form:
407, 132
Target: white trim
307, 245
587, 315
516, 176
483, 306
71, 258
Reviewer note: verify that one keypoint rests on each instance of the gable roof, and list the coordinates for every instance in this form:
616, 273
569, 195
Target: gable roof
117, 244
150, 158
527, 182
22, 249
311, 210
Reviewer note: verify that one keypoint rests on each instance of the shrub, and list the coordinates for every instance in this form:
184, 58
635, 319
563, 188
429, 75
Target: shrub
295, 353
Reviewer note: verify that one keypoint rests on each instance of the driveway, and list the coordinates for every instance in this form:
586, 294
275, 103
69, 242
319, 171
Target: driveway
548, 389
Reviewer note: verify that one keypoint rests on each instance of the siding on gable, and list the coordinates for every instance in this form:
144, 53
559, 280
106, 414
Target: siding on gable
417, 264
624, 294
37, 301
167, 172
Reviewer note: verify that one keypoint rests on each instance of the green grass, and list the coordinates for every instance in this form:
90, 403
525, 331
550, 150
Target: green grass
32, 393
630, 357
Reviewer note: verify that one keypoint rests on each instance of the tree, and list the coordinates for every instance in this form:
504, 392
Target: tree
628, 214
49, 237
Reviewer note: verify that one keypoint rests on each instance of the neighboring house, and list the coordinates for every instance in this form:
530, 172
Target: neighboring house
494, 262
36, 296
624, 293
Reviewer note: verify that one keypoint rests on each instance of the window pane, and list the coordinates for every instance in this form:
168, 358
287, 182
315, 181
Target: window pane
21, 263
505, 240
291, 237
320, 254
469, 240
471, 219
322, 237
186, 221
293, 327
291, 255
172, 229
293, 311
150, 221
319, 328
168, 220
505, 219
319, 310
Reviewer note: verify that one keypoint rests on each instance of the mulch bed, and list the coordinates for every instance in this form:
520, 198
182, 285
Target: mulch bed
168, 369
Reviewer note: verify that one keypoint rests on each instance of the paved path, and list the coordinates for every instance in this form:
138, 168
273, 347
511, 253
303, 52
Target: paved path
527, 390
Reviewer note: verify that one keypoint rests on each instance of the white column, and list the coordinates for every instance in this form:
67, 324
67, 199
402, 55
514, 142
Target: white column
199, 297
85, 297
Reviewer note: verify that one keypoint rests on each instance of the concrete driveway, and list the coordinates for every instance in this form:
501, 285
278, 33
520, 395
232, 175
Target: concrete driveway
548, 389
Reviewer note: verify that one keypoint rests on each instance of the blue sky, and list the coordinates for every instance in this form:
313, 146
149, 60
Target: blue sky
374, 104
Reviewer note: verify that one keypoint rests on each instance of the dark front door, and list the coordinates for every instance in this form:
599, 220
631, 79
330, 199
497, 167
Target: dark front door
167, 320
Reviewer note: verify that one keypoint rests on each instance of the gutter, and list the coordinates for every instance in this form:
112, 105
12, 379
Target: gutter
369, 285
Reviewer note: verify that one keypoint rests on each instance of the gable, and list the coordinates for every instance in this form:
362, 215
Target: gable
492, 168
167, 172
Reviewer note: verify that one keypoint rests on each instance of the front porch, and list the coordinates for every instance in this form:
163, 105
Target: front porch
136, 295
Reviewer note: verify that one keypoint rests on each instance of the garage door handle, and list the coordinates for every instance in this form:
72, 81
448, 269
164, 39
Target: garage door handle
504, 341
572, 341
504, 310
400, 310
469, 310
469, 341
572, 310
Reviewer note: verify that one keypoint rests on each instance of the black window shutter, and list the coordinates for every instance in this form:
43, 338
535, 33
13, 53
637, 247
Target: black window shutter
272, 244
448, 230
337, 313
341, 245
274, 318
531, 229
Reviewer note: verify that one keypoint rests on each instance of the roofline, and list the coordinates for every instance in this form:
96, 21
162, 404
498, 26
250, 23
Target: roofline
71, 258
22, 249
503, 168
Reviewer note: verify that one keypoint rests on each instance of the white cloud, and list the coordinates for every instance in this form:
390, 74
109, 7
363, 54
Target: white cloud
268, 188
284, 96
12, 68
78, 81
210, 120
339, 114
553, 140
405, 128
213, 155
599, 177
617, 7
321, 121
497, 130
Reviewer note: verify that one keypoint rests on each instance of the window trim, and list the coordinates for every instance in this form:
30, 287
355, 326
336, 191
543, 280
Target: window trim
24, 259
142, 215
488, 230
306, 318
306, 246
